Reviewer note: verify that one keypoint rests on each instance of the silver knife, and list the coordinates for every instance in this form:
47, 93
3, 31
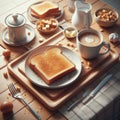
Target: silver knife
99, 86
77, 101
92, 94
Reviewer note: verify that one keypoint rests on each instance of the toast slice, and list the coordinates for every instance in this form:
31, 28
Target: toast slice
51, 14
45, 8
51, 64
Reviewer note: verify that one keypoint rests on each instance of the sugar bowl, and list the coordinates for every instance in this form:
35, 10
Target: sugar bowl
16, 27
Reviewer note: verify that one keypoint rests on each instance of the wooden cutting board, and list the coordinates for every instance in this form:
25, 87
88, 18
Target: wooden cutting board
54, 98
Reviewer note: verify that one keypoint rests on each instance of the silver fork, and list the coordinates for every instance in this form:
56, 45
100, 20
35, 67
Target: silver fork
16, 94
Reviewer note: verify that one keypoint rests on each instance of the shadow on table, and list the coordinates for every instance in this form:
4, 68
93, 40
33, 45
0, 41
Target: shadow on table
114, 3
8, 116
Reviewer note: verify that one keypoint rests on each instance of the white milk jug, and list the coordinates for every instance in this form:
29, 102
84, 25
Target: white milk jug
71, 5
82, 15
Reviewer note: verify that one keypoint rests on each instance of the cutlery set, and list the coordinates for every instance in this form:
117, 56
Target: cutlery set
84, 99
16, 94
88, 96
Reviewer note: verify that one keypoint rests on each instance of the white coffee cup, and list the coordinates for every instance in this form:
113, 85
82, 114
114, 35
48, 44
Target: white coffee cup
90, 42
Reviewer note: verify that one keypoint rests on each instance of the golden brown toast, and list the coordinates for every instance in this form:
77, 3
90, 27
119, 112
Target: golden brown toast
50, 14
51, 64
44, 9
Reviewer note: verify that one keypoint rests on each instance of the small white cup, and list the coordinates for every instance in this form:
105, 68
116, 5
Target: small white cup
90, 42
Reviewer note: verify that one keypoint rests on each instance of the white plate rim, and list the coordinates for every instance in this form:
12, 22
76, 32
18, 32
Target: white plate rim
66, 80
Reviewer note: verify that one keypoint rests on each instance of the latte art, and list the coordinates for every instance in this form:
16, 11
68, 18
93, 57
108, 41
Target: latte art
89, 39
90, 42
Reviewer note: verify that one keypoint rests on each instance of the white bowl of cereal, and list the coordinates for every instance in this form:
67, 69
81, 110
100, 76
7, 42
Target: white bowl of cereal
47, 25
106, 17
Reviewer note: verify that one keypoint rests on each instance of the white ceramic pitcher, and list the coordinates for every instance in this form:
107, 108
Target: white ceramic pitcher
71, 5
82, 15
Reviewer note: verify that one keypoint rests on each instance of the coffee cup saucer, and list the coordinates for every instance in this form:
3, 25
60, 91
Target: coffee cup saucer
30, 35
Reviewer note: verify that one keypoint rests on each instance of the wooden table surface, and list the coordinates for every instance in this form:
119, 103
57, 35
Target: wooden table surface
20, 6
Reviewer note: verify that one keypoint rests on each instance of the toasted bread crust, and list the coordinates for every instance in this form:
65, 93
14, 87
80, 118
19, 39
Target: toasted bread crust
51, 65
50, 14
43, 9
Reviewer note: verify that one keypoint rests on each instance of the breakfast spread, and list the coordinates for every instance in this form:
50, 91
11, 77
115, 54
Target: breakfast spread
51, 64
45, 9
29, 64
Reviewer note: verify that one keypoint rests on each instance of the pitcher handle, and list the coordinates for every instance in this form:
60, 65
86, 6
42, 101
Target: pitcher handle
88, 19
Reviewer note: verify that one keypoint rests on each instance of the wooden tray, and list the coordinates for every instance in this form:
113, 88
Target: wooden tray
2, 58
54, 98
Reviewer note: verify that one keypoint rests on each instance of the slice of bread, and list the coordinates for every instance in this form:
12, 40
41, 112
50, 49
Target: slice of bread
50, 14
51, 64
45, 8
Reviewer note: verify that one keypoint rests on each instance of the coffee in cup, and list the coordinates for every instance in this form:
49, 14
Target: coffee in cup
89, 39
89, 42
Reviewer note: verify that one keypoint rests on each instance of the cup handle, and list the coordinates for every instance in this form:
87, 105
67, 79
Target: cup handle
107, 45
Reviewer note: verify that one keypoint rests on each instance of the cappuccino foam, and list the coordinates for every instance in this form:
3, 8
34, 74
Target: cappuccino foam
89, 39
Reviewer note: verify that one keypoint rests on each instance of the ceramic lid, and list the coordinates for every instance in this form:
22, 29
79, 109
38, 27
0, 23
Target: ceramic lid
15, 20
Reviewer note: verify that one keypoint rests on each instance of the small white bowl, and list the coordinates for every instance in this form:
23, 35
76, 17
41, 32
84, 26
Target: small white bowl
106, 17
70, 32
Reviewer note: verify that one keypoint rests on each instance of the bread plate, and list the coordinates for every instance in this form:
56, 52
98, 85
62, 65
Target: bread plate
34, 19
61, 82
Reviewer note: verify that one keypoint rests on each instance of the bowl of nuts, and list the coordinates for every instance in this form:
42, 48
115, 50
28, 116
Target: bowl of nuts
106, 17
47, 25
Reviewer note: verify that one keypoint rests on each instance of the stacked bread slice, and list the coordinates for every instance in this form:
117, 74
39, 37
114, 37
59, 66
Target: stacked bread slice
51, 64
45, 9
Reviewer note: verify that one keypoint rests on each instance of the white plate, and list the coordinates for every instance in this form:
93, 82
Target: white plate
33, 19
61, 82
30, 34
